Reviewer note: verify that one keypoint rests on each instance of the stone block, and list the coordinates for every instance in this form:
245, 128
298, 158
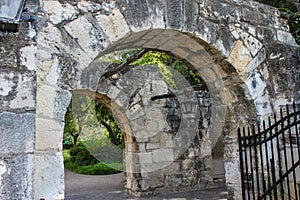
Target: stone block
240, 56
200, 59
8, 52
145, 158
114, 92
263, 105
286, 37
173, 14
52, 103
163, 155
28, 57
256, 61
256, 85
88, 6
59, 12
87, 36
136, 14
17, 133
114, 25
206, 29
225, 41
49, 175
153, 167
181, 52
156, 11
122, 100
151, 146
266, 34
141, 136
209, 73
253, 44
16, 176
17, 90
49, 134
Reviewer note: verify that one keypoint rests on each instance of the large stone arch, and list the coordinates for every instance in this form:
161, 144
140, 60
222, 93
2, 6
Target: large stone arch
242, 42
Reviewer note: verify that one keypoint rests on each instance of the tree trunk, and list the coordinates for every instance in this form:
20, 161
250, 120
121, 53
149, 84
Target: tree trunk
111, 133
75, 138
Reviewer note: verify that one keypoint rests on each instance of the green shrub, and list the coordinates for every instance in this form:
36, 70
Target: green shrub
79, 160
97, 169
81, 156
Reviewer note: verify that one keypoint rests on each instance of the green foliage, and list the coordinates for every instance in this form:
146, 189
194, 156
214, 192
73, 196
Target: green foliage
153, 58
94, 169
166, 66
84, 113
81, 156
104, 150
118, 56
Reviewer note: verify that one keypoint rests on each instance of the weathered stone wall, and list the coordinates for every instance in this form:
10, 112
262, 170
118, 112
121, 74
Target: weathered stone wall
241, 49
17, 109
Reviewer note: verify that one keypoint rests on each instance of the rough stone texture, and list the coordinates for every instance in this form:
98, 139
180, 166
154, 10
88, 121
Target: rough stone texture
16, 176
50, 168
17, 133
17, 109
241, 49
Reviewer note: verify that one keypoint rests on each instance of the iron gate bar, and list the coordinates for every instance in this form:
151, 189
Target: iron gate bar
273, 156
296, 117
261, 133
251, 166
285, 175
261, 160
267, 156
292, 152
285, 153
241, 162
279, 159
246, 165
273, 172
256, 161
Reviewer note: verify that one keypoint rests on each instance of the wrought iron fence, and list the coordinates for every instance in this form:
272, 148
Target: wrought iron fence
270, 157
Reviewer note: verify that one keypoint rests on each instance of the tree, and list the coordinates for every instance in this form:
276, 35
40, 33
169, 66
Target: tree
76, 116
107, 120
84, 111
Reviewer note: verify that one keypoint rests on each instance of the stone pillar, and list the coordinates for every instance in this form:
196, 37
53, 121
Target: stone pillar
49, 169
52, 102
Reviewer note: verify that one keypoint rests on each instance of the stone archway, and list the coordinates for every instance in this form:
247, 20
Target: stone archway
188, 50
214, 50
158, 156
249, 43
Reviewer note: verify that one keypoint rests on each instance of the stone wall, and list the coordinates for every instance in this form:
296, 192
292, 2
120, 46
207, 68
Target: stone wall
241, 49
17, 109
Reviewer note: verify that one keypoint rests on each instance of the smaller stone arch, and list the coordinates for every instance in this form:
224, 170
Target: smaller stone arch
155, 149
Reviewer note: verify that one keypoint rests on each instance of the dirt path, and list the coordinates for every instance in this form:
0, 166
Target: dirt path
108, 187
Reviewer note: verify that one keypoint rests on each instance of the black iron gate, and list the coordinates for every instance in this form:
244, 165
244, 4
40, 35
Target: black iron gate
270, 157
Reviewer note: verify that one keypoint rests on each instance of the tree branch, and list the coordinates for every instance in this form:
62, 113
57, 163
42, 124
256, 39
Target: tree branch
124, 64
